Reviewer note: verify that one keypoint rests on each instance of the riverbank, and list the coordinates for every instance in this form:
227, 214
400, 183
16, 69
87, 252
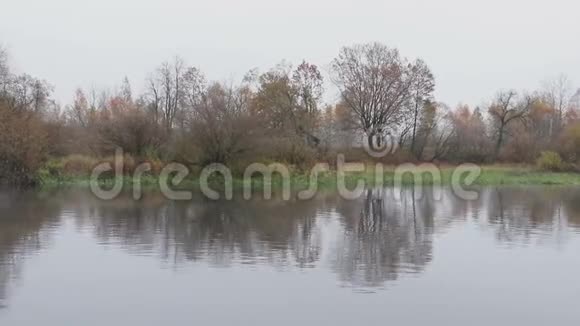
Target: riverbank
490, 175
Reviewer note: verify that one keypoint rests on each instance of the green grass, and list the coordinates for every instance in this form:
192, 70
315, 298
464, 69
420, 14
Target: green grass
490, 176
528, 177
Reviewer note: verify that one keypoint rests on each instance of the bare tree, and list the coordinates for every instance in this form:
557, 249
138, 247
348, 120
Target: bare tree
558, 94
4, 71
194, 89
126, 92
506, 109
423, 85
221, 122
165, 92
153, 97
80, 112
377, 85
443, 133
26, 93
125, 124
308, 87
423, 129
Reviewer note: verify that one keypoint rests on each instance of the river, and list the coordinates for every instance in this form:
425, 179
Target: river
511, 257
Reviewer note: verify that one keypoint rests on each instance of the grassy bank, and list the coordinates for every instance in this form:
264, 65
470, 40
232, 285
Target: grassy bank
490, 176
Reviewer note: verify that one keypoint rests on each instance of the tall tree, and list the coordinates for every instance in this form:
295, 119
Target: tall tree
422, 88
377, 85
308, 87
4, 71
166, 91
506, 109
558, 94
289, 99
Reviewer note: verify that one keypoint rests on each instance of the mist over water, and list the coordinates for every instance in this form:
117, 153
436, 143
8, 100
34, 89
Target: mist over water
74, 259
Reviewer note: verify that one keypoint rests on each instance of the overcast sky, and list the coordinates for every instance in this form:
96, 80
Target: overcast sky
475, 48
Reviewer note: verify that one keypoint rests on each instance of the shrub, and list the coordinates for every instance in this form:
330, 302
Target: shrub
77, 165
23, 146
82, 166
521, 148
293, 151
550, 161
129, 163
570, 143
129, 126
156, 166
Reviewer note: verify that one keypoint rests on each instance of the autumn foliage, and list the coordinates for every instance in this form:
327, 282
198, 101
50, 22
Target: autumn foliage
23, 145
282, 115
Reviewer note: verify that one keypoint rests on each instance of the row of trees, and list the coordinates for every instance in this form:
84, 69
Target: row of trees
281, 115
385, 94
24, 103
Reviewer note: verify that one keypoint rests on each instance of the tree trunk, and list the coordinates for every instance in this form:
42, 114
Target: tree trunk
499, 143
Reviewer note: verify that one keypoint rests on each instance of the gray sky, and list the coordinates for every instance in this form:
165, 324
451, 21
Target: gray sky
475, 48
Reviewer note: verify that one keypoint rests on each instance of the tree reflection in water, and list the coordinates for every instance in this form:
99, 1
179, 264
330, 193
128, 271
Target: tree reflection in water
366, 242
27, 222
385, 238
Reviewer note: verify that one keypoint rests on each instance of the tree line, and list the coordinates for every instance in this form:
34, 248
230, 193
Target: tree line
281, 115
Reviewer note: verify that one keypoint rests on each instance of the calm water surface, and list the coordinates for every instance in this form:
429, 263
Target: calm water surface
512, 257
